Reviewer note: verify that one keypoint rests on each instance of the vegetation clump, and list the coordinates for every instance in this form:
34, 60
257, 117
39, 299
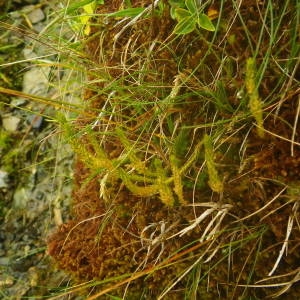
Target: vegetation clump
184, 185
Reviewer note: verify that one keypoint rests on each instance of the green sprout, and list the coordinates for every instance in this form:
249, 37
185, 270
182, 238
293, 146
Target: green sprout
189, 14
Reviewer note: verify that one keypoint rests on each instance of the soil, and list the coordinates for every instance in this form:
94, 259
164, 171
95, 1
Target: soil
36, 177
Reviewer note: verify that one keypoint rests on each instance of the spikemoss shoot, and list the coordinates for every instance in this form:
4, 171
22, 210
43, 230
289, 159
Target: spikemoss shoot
214, 181
178, 188
255, 103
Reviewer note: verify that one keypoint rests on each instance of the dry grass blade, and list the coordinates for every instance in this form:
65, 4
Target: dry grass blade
288, 233
288, 286
295, 127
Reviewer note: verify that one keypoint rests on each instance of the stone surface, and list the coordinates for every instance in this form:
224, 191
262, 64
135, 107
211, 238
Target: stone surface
18, 101
3, 179
21, 197
11, 123
29, 53
35, 174
35, 121
35, 81
35, 16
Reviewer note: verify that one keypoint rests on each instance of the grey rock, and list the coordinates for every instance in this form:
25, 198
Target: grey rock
39, 27
4, 261
35, 81
28, 53
35, 121
26, 9
11, 123
20, 199
18, 102
3, 179
35, 16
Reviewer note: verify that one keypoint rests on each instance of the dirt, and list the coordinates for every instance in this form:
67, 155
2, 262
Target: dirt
36, 185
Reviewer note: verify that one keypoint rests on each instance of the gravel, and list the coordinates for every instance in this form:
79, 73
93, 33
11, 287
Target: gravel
35, 163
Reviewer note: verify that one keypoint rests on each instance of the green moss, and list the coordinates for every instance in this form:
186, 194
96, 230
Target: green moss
5, 140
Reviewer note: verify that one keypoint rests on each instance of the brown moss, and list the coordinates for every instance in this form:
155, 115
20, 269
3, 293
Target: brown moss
110, 238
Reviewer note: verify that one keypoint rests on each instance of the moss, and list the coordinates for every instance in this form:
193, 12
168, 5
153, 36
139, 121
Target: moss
166, 116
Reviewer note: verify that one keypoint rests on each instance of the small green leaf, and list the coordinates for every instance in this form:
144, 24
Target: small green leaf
214, 180
205, 22
176, 3
181, 13
172, 13
77, 5
129, 12
185, 26
191, 6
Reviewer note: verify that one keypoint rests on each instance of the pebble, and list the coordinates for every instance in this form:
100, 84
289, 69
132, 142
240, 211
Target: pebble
3, 179
18, 102
35, 16
21, 196
11, 123
35, 121
4, 261
28, 196
35, 81
29, 53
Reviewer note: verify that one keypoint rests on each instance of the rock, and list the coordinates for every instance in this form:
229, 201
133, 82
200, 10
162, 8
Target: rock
11, 123
4, 261
3, 179
35, 121
35, 81
29, 53
18, 102
21, 197
27, 197
35, 16
39, 27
